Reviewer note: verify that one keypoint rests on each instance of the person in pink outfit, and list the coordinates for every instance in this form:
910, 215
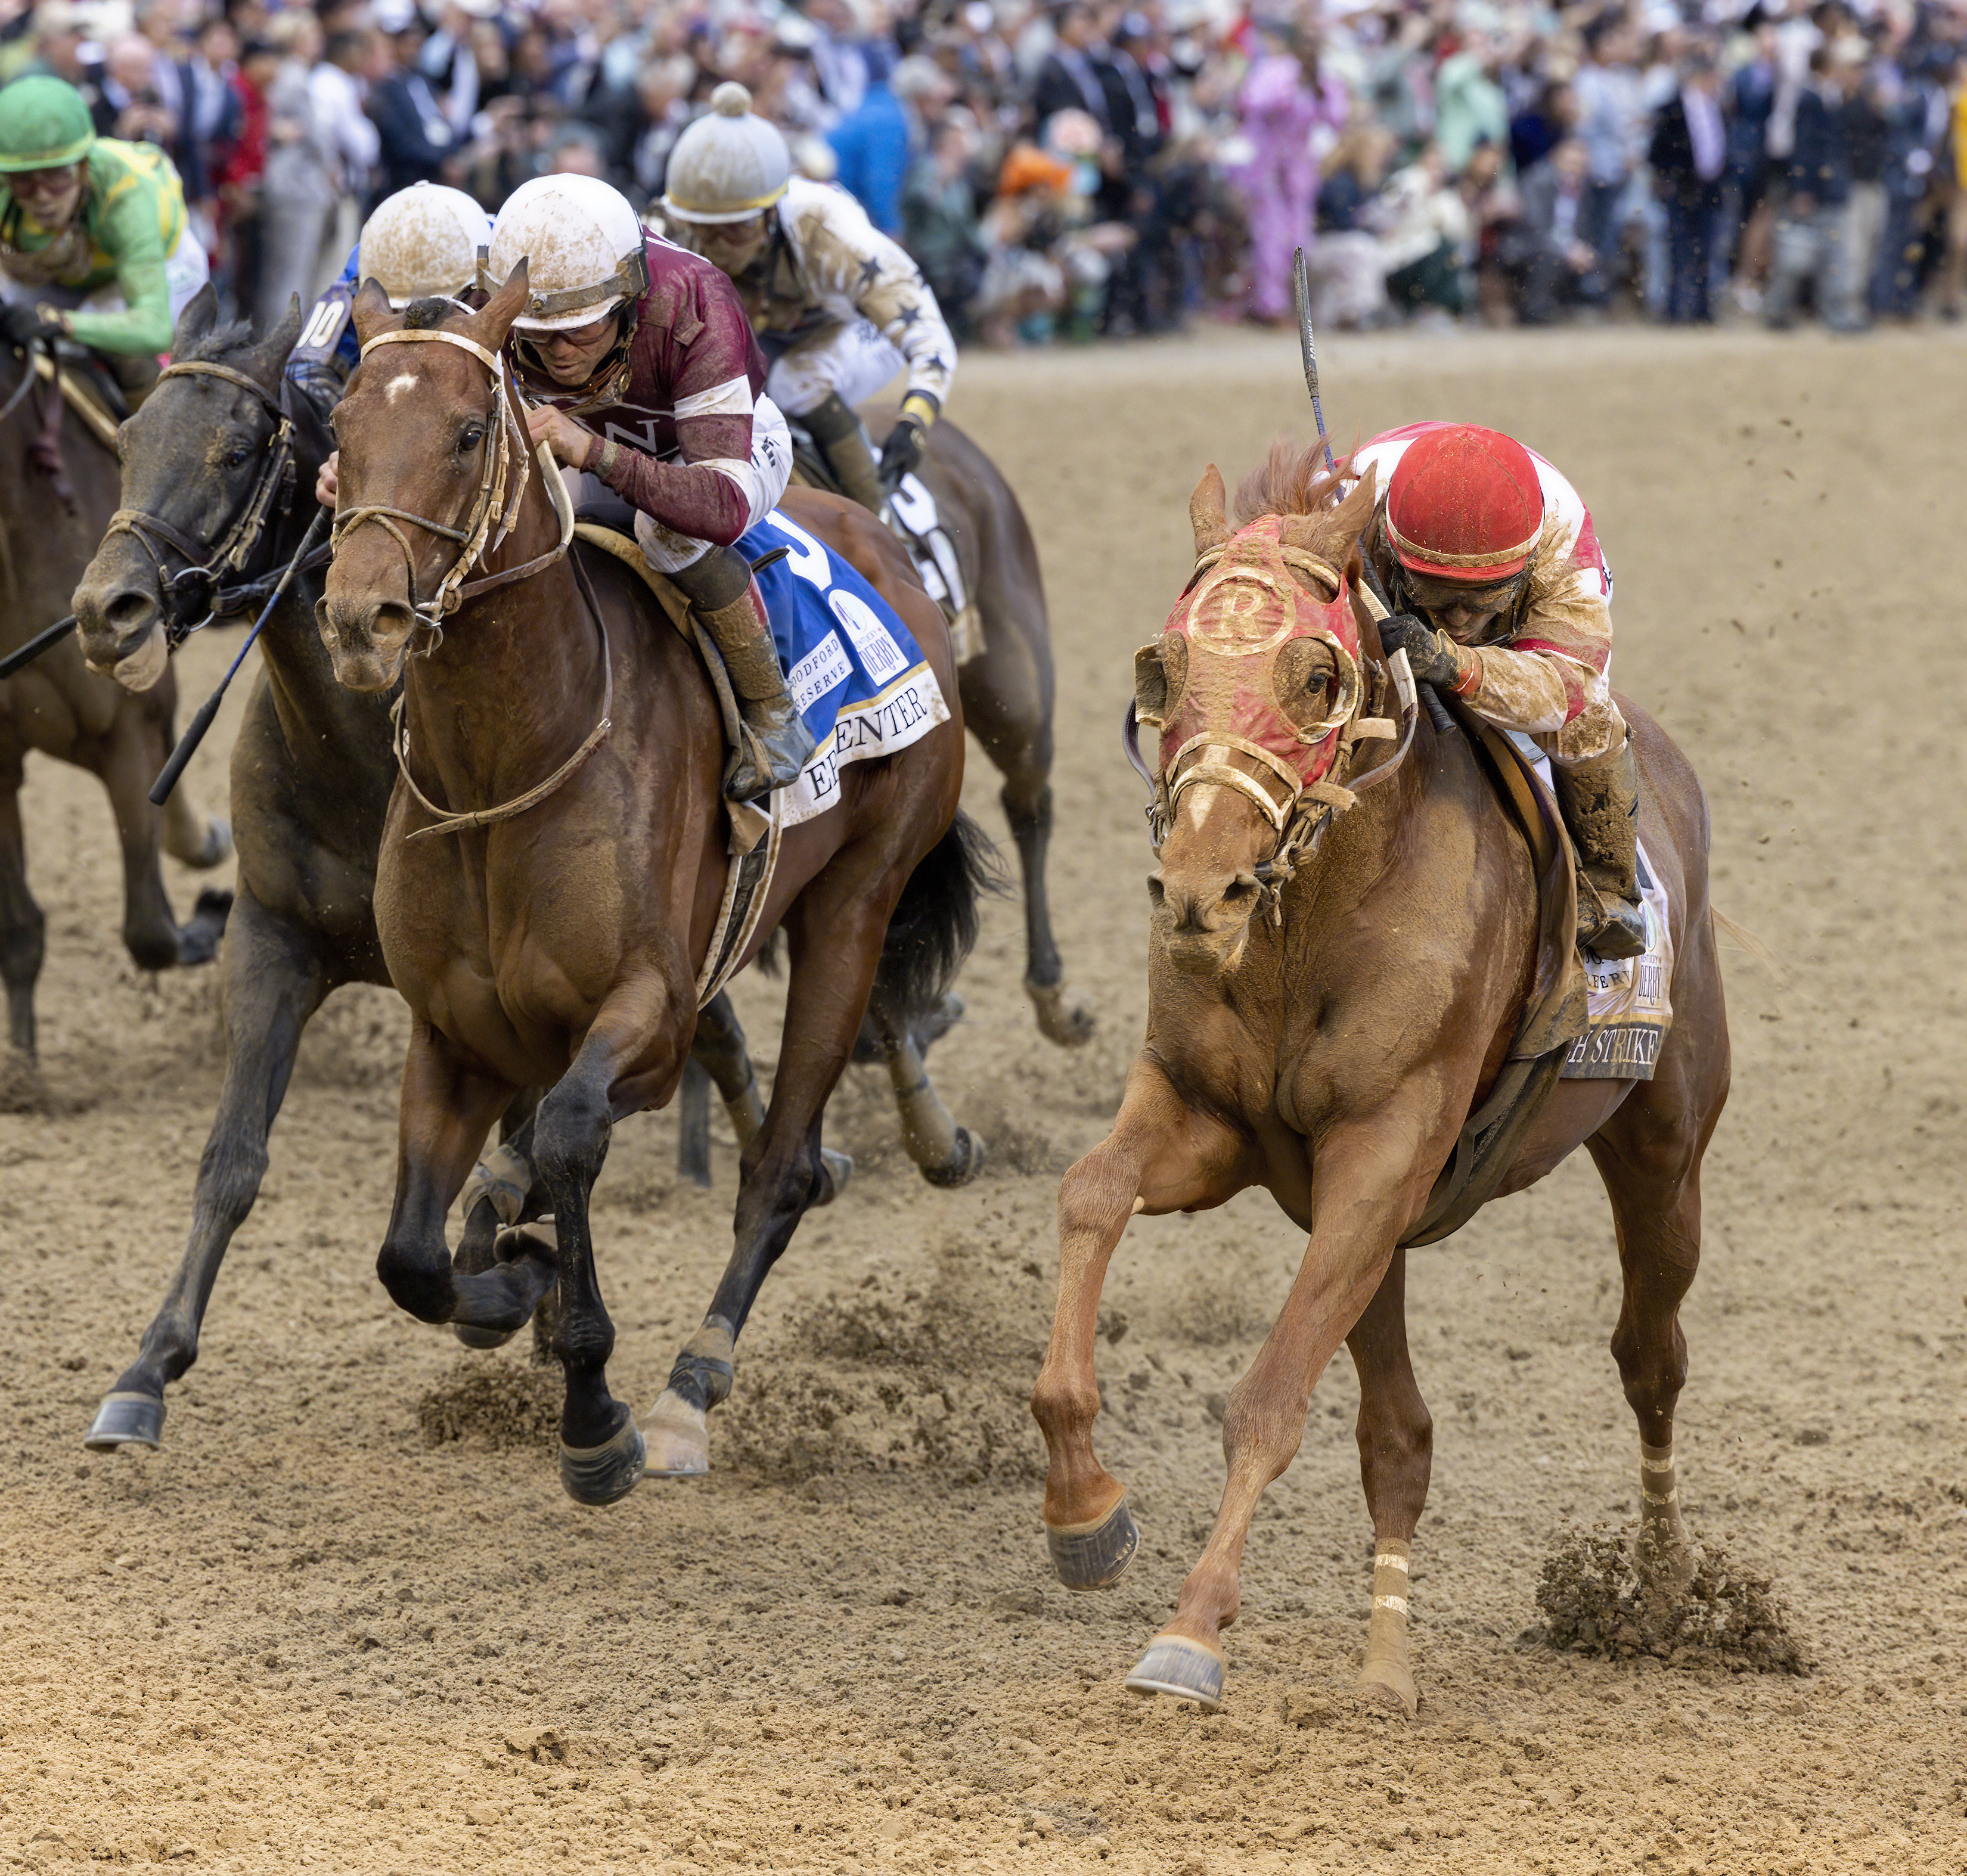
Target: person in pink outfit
1291, 117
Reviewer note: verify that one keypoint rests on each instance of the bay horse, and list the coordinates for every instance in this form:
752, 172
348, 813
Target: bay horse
310, 777
547, 925
59, 706
1323, 1017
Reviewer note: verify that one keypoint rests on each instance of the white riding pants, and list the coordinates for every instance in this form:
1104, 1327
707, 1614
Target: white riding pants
852, 359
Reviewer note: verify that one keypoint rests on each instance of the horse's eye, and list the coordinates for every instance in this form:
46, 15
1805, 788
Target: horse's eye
470, 440
235, 457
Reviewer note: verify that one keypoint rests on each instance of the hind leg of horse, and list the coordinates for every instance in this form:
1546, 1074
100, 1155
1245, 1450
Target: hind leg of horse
149, 930
1366, 1191
1649, 1156
946, 1153
602, 1452
272, 982
1396, 1436
21, 923
447, 1108
196, 840
1161, 1156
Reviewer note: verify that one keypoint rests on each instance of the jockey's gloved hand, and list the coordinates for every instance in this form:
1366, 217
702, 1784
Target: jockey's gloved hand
21, 323
1434, 657
902, 454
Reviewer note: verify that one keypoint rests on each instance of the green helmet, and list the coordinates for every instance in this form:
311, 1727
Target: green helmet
44, 124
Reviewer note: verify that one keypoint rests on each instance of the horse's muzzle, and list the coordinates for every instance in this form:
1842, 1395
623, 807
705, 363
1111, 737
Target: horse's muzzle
1203, 923
367, 640
122, 633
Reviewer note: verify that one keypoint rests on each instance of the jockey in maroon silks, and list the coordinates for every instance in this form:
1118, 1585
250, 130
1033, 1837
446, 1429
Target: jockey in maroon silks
646, 380
1502, 595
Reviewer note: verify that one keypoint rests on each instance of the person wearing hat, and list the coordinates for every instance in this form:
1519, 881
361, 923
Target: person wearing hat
1502, 595
643, 378
839, 308
93, 239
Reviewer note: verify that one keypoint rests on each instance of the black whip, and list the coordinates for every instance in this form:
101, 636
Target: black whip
24, 655
167, 777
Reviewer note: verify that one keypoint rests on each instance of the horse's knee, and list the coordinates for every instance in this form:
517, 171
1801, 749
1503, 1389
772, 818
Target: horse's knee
419, 1283
23, 944
1652, 1369
153, 944
1026, 797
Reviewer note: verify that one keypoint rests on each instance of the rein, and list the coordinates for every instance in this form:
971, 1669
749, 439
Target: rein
501, 487
235, 550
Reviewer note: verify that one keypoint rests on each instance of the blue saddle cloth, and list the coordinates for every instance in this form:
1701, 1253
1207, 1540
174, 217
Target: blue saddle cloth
853, 669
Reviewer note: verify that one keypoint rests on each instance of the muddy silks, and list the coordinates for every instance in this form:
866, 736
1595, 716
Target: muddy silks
1260, 658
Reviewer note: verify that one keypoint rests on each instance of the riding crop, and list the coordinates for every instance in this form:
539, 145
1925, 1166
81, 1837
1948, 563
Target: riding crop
1308, 344
23, 655
167, 777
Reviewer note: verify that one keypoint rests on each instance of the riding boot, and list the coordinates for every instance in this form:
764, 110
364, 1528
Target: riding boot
837, 432
727, 599
1600, 799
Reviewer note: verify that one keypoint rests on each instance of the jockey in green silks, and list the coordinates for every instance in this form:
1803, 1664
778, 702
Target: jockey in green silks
93, 239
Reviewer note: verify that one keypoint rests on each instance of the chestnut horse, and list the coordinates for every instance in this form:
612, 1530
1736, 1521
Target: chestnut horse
547, 930
1341, 945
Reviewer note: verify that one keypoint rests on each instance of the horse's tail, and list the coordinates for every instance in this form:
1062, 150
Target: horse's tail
934, 921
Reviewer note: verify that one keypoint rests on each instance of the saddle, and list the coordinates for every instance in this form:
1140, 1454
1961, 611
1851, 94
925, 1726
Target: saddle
1554, 1014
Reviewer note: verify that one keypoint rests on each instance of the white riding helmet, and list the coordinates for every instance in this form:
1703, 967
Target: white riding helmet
727, 166
423, 242
584, 245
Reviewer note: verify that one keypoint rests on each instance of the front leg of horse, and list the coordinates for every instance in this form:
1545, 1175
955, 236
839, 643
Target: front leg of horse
448, 1107
1162, 1157
273, 983
21, 922
151, 932
1361, 1208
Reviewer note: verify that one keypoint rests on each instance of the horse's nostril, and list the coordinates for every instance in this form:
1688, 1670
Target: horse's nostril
128, 609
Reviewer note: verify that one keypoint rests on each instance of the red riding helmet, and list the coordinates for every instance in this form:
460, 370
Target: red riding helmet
1464, 503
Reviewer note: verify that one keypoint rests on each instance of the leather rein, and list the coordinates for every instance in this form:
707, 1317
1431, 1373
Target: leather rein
205, 565
501, 489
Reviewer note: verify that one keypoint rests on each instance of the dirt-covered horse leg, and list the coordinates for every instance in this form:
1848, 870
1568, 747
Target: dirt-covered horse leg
152, 934
1161, 1157
21, 922
602, 1452
1648, 1155
1366, 1190
946, 1153
192, 837
1396, 1436
272, 982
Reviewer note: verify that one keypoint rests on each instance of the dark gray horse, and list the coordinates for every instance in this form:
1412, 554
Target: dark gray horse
55, 705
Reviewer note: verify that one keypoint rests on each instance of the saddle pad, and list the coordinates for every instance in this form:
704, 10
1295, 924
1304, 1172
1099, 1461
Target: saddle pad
913, 512
1628, 1000
858, 678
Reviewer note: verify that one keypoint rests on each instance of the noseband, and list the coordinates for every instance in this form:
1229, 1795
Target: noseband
197, 583
501, 487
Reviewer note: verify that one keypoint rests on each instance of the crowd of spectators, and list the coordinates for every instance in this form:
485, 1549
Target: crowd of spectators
1117, 166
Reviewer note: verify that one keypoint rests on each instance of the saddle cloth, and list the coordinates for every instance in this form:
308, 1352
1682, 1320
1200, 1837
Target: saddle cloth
859, 677
912, 513
1628, 1005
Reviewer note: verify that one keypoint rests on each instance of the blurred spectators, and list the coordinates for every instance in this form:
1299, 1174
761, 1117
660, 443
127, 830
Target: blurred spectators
1118, 167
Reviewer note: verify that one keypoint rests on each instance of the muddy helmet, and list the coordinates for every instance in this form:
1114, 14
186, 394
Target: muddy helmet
423, 242
584, 246
728, 165
1464, 503
44, 124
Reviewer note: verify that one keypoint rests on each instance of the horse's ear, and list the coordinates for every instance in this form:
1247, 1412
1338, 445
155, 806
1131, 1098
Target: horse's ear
201, 312
372, 311
1207, 511
495, 320
1349, 520
1161, 676
268, 358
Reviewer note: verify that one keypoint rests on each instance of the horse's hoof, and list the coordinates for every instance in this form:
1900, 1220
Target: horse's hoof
1062, 1017
1175, 1665
198, 940
964, 1163
473, 1337
216, 848
599, 1475
1094, 1556
126, 1419
678, 1439
835, 1169
1387, 1685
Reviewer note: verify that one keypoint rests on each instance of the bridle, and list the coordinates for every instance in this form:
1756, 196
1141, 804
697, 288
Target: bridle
1303, 816
501, 489
197, 583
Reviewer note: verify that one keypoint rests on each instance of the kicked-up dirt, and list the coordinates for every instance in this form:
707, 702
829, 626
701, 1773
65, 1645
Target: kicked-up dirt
345, 1620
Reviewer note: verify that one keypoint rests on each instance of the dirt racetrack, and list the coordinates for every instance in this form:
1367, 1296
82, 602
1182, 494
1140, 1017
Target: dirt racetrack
345, 1620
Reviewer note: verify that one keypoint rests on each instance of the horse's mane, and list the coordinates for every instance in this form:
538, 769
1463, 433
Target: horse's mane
235, 335
1295, 481
427, 315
